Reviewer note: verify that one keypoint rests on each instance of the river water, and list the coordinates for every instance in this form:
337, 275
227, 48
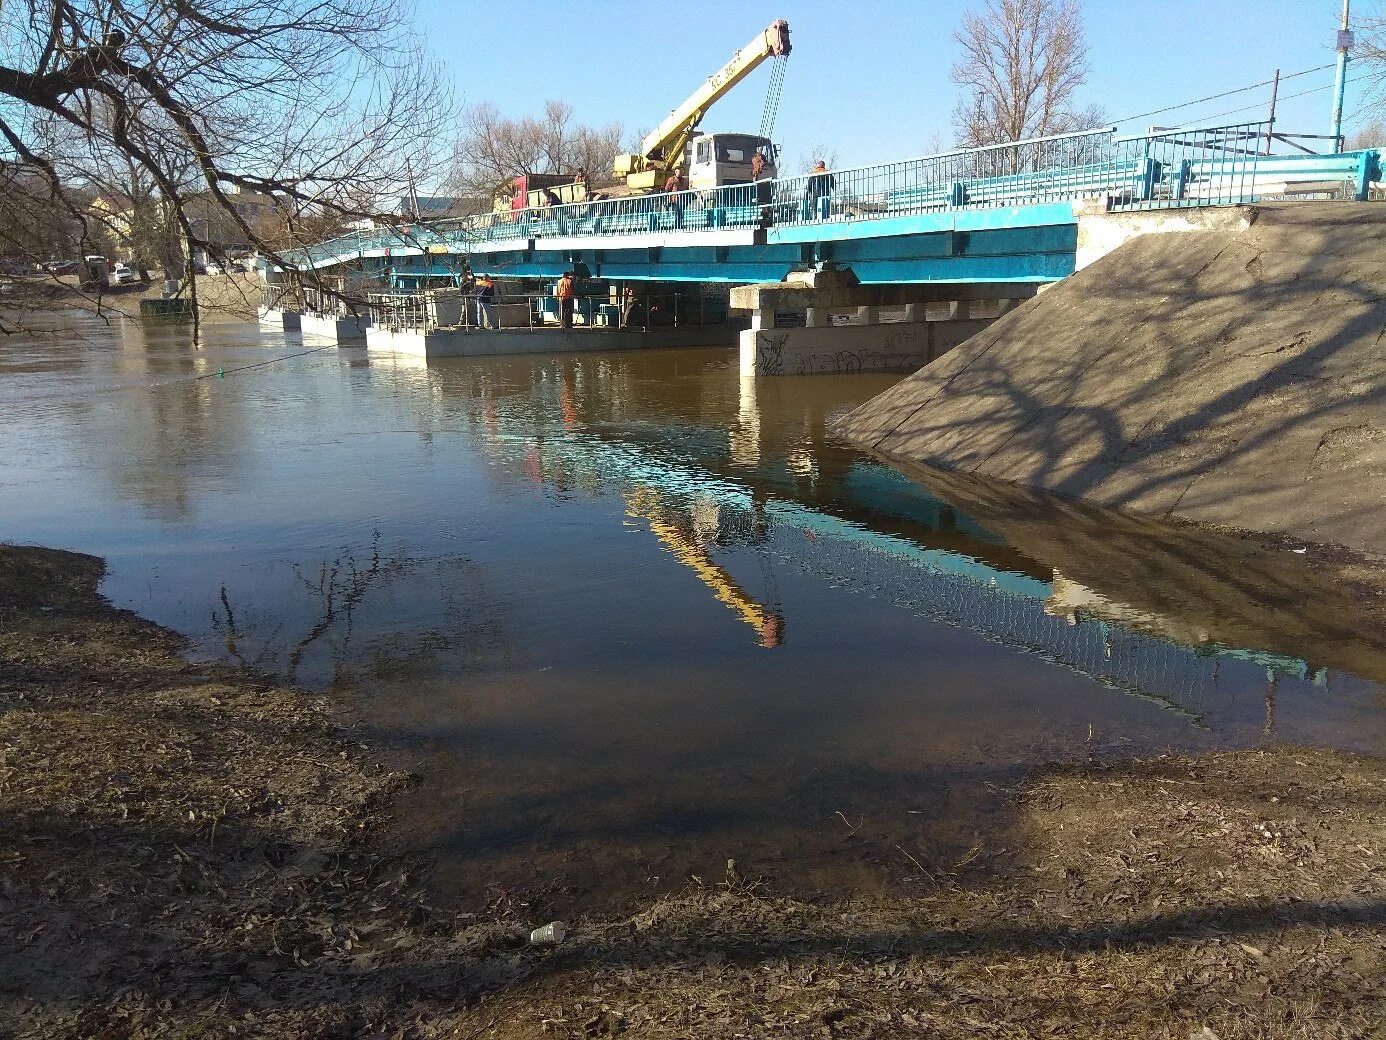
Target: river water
628, 616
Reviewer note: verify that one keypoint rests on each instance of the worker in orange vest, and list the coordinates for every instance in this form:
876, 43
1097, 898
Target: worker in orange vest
566, 292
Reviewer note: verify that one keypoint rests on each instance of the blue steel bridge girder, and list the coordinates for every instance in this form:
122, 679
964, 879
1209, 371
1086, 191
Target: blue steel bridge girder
1036, 254
1027, 244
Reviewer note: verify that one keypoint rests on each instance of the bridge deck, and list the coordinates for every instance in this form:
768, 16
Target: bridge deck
1027, 186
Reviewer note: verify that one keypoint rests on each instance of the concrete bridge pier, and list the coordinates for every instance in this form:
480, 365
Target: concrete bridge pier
339, 328
280, 319
823, 322
290, 306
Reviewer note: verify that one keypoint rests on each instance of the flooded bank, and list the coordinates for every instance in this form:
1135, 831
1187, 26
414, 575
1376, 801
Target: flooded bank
630, 616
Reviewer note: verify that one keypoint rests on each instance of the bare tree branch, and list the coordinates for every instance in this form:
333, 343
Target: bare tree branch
1022, 63
1370, 55
493, 149
187, 107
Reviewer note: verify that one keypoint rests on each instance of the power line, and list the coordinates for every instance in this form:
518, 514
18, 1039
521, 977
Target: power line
1225, 93
220, 372
1287, 97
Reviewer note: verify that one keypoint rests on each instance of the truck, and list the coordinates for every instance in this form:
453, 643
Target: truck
715, 159
527, 190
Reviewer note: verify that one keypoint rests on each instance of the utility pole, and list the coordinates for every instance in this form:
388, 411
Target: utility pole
1270, 123
1340, 79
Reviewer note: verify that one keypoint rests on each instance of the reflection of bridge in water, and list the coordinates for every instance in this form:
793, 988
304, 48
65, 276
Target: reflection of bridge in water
697, 512
735, 476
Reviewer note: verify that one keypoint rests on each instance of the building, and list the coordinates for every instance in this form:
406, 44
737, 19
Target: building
211, 224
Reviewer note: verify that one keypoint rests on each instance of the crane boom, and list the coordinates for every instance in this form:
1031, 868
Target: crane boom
769, 43
663, 146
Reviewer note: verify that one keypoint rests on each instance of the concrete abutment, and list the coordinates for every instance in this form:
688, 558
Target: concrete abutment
825, 323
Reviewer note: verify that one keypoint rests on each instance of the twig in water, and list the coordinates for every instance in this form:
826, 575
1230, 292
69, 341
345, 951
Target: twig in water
916, 862
971, 855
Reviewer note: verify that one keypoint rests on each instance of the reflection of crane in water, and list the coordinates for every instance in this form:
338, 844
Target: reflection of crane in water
644, 503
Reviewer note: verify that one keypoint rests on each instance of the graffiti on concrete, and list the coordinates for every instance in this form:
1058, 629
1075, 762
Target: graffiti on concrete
770, 353
904, 349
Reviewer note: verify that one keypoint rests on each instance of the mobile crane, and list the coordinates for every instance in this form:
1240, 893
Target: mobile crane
712, 159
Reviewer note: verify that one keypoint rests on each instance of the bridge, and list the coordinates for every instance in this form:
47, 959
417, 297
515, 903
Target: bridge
1000, 215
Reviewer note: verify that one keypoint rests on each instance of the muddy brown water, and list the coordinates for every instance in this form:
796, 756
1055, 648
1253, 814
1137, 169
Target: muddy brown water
629, 616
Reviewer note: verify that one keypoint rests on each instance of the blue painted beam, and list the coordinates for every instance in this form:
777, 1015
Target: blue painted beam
1041, 253
1036, 268
997, 218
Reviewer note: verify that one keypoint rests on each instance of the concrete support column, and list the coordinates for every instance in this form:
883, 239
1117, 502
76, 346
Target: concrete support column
763, 318
868, 315
914, 312
1003, 306
815, 317
958, 310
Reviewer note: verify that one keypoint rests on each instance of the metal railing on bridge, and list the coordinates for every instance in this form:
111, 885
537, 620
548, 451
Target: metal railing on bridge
1220, 165
444, 309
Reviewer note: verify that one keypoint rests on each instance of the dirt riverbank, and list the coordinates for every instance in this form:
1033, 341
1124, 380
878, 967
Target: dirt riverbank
220, 298
191, 850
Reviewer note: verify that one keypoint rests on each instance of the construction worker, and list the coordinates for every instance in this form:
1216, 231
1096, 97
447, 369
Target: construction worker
676, 182
566, 291
486, 301
628, 301
762, 187
820, 185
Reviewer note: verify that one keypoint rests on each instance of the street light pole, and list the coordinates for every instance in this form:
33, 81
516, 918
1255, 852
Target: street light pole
1340, 79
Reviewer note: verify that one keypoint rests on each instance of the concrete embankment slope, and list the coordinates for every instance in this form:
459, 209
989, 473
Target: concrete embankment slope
1234, 377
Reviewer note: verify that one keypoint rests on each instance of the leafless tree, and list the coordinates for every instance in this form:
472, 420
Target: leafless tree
129, 215
315, 103
493, 148
31, 228
809, 156
1370, 54
1022, 63
1373, 135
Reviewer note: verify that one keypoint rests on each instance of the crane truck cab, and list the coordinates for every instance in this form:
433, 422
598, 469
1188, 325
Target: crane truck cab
713, 160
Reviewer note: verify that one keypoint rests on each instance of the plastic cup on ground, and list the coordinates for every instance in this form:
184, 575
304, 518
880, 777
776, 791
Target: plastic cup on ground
550, 934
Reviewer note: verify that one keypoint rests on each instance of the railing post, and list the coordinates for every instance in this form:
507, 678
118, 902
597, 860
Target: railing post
1181, 182
1150, 176
1367, 171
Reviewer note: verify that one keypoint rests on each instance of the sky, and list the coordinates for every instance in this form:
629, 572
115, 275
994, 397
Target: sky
869, 80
